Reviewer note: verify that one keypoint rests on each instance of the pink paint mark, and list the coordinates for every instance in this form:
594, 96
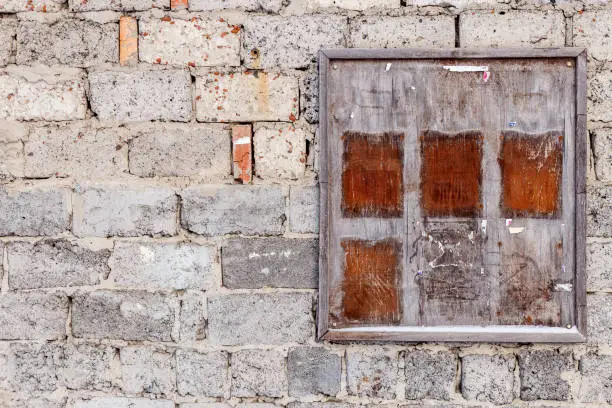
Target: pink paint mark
485, 76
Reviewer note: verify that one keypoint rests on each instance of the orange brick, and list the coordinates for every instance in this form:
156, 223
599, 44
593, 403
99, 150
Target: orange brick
179, 4
128, 40
242, 152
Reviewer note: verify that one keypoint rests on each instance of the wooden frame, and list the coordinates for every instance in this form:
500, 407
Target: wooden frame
575, 333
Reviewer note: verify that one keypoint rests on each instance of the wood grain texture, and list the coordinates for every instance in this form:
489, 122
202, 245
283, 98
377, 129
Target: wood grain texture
487, 257
372, 174
459, 53
531, 168
450, 174
371, 285
324, 270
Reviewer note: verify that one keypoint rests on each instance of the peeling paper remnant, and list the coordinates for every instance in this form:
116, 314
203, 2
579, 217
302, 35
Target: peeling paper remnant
564, 287
516, 230
468, 68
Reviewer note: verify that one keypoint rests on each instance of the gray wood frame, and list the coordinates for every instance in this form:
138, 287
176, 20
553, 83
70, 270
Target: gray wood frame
576, 333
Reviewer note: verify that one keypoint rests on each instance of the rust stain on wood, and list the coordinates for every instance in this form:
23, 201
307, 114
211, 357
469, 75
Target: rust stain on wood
372, 276
526, 293
450, 173
372, 175
531, 168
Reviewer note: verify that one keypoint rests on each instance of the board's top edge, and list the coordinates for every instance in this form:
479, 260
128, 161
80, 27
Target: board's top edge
458, 53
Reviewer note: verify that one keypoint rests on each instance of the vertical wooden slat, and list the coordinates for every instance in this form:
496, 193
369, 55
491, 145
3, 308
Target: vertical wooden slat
580, 182
323, 304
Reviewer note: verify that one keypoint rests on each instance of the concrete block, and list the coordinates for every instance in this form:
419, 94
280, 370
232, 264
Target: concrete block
246, 96
54, 263
170, 150
304, 209
596, 383
77, 43
313, 371
154, 265
260, 318
112, 209
33, 316
274, 262
599, 318
430, 375
543, 374
218, 210
290, 42
124, 315
141, 95
280, 151
537, 29
372, 372
258, 373
75, 150
32, 211
599, 259
196, 42
202, 374
592, 29
36, 94
601, 140
405, 31
599, 211
488, 378
147, 370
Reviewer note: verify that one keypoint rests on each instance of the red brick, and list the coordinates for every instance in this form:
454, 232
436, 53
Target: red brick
179, 4
242, 152
128, 40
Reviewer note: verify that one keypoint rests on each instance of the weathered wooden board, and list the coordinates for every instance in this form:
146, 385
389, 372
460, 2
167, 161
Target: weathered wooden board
449, 195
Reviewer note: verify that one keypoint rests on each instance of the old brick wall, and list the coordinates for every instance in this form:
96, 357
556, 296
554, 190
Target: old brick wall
137, 272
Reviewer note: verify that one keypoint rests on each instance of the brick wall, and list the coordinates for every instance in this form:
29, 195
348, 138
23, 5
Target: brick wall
158, 207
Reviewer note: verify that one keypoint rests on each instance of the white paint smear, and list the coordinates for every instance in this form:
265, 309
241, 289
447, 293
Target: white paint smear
564, 287
466, 68
243, 140
388, 67
516, 230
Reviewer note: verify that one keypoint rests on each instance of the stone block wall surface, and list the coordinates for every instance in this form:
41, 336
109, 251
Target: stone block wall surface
159, 207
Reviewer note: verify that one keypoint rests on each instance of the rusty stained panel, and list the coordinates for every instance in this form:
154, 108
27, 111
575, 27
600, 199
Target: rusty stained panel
527, 284
372, 281
452, 282
372, 175
451, 174
531, 168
